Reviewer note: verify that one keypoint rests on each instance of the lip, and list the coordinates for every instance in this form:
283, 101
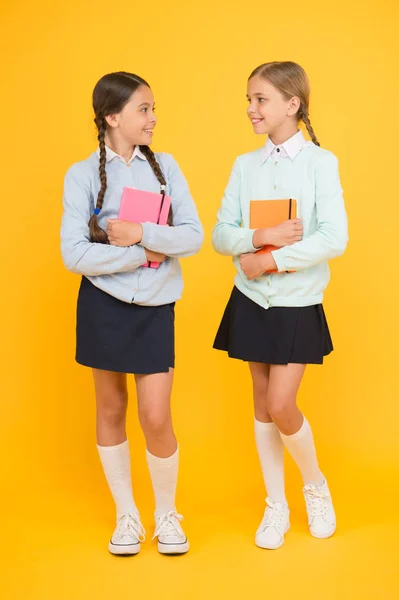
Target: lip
148, 131
256, 121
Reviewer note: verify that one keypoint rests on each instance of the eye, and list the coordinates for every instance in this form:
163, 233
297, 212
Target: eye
262, 99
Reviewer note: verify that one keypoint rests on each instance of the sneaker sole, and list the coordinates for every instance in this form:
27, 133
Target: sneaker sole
323, 536
270, 547
124, 550
173, 548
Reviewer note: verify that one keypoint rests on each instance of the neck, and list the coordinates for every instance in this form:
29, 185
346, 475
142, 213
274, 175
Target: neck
283, 133
120, 146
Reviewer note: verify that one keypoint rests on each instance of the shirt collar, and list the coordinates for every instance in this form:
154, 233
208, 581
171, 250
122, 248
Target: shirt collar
111, 155
289, 148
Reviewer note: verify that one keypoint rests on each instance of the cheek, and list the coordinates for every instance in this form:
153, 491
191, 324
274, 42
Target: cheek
138, 123
281, 112
129, 123
273, 114
264, 112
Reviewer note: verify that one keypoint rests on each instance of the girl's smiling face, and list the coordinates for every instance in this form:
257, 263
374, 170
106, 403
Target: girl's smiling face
268, 109
136, 121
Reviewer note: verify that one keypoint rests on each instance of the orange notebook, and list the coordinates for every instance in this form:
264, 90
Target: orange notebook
270, 213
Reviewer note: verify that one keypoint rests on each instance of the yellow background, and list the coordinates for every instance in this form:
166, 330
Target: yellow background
56, 511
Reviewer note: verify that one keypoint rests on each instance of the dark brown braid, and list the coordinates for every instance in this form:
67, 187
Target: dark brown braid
303, 114
96, 233
291, 80
150, 156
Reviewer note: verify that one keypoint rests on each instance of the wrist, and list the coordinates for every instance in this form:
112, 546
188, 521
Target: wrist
268, 262
260, 238
138, 233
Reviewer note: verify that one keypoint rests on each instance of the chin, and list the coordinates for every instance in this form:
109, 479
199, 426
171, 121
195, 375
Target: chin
261, 130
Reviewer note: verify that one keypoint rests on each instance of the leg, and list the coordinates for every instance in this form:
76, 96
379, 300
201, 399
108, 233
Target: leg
111, 403
281, 396
297, 437
294, 428
268, 441
275, 522
260, 383
113, 447
153, 393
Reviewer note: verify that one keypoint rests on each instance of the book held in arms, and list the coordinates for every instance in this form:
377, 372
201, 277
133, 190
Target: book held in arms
270, 213
139, 206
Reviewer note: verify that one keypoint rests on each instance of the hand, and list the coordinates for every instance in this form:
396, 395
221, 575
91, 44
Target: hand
155, 256
287, 233
123, 233
255, 265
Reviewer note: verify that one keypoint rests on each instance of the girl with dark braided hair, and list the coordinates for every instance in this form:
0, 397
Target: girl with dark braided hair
125, 314
274, 319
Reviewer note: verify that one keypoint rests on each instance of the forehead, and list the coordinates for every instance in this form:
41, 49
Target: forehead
143, 95
259, 86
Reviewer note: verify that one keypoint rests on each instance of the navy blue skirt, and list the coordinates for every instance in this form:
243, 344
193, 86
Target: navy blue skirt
274, 336
126, 338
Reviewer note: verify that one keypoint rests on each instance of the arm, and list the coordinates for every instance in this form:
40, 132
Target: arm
331, 237
186, 236
78, 253
228, 237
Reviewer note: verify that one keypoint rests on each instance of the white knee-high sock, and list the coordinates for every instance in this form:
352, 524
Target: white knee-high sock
302, 449
116, 464
164, 473
271, 455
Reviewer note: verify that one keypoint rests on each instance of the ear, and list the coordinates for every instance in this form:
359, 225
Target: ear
112, 120
293, 106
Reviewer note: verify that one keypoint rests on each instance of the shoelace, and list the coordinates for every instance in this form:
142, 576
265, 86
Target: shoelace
318, 500
273, 516
169, 525
130, 525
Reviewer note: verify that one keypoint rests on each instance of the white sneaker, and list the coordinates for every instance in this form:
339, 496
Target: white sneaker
171, 537
127, 536
275, 523
321, 515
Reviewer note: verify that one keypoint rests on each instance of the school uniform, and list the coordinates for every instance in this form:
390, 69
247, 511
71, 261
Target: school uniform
125, 312
278, 318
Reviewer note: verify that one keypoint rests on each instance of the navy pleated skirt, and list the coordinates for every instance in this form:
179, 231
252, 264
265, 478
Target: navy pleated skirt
127, 338
275, 336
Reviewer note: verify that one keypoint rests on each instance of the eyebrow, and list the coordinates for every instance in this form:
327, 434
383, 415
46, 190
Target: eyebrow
257, 94
145, 104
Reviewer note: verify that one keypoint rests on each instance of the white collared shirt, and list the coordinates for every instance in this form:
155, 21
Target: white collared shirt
289, 149
111, 155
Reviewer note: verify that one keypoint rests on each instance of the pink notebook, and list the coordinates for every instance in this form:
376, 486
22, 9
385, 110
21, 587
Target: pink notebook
138, 206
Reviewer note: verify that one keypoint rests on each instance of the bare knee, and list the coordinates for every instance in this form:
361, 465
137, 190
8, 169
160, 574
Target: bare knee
281, 408
112, 406
155, 423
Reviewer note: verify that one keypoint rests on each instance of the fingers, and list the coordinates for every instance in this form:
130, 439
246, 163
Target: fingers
111, 224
